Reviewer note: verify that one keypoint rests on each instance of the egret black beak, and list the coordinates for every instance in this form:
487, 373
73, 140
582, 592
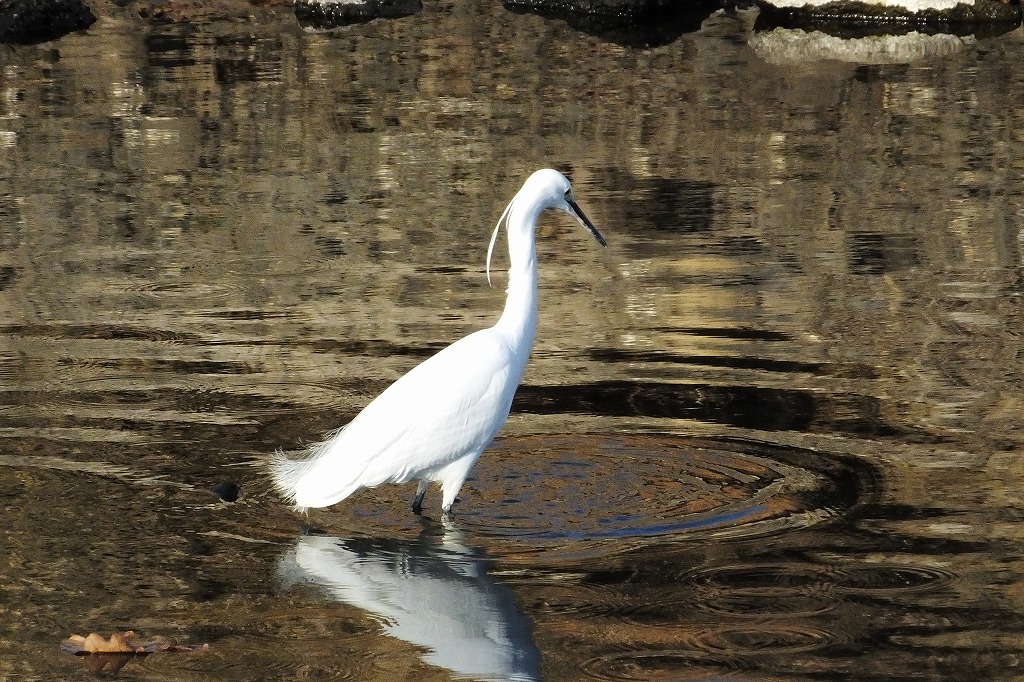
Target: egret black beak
585, 221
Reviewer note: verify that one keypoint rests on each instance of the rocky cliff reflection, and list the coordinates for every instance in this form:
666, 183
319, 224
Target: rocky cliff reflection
434, 592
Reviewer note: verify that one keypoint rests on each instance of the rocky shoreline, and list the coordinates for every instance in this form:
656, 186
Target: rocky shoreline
632, 22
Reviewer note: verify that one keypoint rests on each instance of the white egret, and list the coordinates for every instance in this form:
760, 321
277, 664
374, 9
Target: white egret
434, 422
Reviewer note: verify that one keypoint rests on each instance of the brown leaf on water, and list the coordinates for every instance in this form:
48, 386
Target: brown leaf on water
126, 642
117, 644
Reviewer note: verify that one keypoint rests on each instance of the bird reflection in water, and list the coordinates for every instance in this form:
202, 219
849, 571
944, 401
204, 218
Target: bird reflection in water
433, 592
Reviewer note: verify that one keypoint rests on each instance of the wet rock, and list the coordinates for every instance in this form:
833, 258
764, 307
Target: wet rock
642, 23
26, 22
809, 13
794, 45
628, 9
329, 14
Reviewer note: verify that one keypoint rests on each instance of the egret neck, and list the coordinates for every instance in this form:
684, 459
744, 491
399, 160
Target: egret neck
518, 322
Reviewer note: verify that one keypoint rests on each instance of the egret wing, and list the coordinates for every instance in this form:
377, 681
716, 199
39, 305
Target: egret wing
449, 406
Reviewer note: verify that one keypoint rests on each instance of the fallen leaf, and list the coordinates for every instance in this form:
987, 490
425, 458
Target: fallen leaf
117, 644
126, 642
73, 643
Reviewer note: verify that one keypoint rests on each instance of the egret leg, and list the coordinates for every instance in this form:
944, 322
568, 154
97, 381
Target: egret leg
452, 477
417, 502
449, 500
446, 512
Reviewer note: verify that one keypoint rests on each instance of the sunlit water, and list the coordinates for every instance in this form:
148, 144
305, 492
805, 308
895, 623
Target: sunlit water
773, 431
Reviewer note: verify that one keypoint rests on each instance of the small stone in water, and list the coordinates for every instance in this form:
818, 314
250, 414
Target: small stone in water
227, 491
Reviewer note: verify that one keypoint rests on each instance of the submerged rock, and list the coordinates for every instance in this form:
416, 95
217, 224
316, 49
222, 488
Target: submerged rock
329, 14
227, 491
25, 22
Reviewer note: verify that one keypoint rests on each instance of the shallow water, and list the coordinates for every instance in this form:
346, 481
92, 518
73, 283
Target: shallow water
773, 431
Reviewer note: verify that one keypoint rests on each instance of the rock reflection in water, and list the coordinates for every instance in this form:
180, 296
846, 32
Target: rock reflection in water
434, 592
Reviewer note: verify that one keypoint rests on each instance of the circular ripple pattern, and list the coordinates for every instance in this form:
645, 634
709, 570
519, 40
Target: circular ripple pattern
600, 487
767, 638
660, 665
596, 494
887, 578
763, 590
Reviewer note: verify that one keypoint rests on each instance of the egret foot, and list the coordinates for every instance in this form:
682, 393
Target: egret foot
446, 512
417, 502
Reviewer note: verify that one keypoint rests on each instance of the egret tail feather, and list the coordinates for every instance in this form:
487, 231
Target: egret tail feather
292, 477
286, 474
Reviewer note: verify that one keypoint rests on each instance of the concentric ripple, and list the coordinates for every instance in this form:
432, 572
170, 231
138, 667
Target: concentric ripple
767, 638
601, 487
588, 494
206, 291
763, 590
882, 579
651, 666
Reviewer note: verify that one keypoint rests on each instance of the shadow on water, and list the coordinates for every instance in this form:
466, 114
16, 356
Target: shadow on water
665, 205
752, 407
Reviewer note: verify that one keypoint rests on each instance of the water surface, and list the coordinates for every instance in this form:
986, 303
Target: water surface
773, 431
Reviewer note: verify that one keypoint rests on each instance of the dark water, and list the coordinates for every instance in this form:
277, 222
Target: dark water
772, 432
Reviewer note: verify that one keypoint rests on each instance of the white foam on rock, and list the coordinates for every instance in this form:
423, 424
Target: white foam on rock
791, 46
909, 5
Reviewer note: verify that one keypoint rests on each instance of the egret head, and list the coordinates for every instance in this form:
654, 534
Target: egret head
546, 188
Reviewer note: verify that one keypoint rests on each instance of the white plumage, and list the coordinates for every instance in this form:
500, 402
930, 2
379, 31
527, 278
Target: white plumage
433, 423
